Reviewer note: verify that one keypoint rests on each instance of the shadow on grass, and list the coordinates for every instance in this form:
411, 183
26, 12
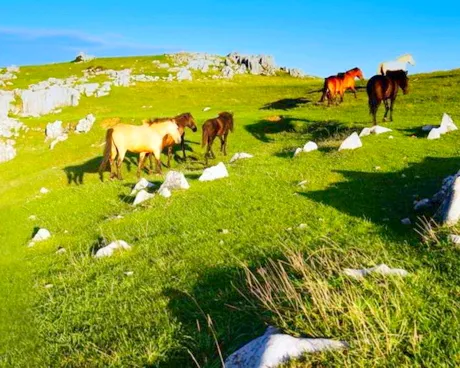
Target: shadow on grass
386, 198
286, 104
216, 299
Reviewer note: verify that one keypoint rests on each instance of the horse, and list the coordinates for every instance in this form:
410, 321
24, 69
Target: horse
336, 85
217, 127
349, 80
399, 64
385, 88
140, 139
182, 121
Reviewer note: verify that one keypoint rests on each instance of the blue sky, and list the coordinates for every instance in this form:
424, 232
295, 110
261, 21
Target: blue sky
321, 38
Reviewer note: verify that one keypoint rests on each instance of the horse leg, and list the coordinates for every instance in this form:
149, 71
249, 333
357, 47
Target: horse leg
182, 144
387, 108
140, 164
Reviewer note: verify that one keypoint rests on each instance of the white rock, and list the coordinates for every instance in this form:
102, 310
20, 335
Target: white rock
41, 235
427, 128
406, 221
298, 151
455, 239
84, 125
273, 348
111, 248
175, 180
447, 123
61, 138
164, 192
310, 146
214, 172
435, 133
142, 196
352, 142
142, 184
381, 269
239, 156
43, 190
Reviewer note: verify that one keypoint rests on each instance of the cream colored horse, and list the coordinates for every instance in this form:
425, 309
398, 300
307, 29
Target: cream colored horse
398, 64
140, 139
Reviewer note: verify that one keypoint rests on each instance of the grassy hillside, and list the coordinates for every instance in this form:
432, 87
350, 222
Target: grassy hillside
186, 273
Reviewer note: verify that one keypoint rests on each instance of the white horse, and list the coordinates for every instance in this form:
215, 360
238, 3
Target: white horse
398, 64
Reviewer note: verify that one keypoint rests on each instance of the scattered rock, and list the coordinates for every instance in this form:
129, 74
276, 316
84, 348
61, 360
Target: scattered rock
84, 125
214, 172
240, 156
406, 221
351, 143
142, 196
274, 348
381, 269
142, 184
111, 248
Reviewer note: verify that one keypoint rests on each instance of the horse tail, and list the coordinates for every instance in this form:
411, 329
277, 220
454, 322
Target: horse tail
107, 150
324, 90
204, 139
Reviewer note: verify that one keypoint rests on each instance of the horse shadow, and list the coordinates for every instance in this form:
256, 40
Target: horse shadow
286, 104
386, 198
215, 297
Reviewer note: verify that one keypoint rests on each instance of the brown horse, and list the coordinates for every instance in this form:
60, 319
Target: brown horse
182, 121
385, 88
217, 127
138, 139
336, 85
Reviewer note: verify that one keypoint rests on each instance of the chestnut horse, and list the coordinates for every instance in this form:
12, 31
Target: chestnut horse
138, 139
385, 88
336, 85
182, 121
217, 127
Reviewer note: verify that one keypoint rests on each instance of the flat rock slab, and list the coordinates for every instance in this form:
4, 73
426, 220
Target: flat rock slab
274, 348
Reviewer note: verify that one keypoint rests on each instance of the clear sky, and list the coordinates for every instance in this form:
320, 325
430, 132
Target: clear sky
321, 37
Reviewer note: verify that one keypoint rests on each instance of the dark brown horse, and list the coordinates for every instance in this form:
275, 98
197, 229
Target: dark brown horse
385, 88
182, 121
217, 127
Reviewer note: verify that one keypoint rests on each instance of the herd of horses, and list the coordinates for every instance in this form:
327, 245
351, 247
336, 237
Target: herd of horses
155, 135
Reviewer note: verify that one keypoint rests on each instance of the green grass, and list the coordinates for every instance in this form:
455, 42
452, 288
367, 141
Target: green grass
95, 315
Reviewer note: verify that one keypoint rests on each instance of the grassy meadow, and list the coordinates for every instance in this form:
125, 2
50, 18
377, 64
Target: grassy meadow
197, 294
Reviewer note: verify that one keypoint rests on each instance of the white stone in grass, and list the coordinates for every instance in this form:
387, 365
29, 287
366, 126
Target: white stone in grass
298, 151
310, 146
427, 128
406, 221
351, 143
175, 180
41, 235
43, 190
435, 133
381, 269
447, 124
111, 248
164, 192
239, 156
274, 348
142, 196
142, 184
214, 172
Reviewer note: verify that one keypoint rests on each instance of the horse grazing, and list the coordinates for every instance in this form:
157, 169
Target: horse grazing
217, 127
399, 64
336, 85
182, 121
140, 139
385, 88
